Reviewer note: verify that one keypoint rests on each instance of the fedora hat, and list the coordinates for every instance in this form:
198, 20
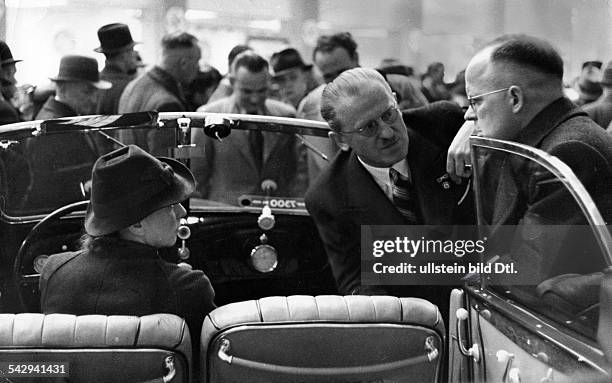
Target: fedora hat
607, 75
80, 68
6, 56
589, 90
128, 184
114, 38
287, 59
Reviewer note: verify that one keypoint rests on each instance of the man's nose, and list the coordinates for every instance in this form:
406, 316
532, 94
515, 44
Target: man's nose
385, 130
469, 114
180, 210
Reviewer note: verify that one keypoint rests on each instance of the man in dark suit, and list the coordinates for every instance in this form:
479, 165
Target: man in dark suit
515, 92
120, 67
238, 164
359, 186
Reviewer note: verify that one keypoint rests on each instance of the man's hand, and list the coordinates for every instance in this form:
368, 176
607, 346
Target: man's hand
458, 161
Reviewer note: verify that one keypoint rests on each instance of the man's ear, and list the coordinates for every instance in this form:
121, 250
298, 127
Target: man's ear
136, 229
338, 139
232, 80
517, 98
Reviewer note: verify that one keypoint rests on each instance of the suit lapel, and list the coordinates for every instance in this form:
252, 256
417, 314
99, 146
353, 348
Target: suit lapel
368, 201
239, 139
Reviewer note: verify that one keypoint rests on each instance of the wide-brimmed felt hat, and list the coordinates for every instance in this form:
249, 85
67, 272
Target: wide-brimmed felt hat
589, 90
285, 60
606, 79
80, 68
6, 56
128, 184
114, 38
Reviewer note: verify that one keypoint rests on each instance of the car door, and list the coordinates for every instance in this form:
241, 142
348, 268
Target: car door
539, 321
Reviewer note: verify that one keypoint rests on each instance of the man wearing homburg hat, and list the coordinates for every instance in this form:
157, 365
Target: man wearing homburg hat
601, 110
77, 85
292, 75
8, 113
134, 210
386, 173
121, 64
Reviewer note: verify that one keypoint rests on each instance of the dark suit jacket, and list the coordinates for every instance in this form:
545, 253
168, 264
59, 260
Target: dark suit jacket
345, 196
526, 196
8, 113
228, 168
154, 90
108, 103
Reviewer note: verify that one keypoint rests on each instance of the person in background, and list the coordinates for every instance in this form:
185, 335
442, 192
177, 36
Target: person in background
601, 110
432, 83
77, 86
203, 86
162, 88
292, 76
245, 158
8, 112
586, 88
120, 67
225, 87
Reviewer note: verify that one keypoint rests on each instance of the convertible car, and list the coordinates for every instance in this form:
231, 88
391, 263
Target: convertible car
279, 316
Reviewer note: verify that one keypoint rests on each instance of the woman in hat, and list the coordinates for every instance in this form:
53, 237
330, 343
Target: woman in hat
134, 210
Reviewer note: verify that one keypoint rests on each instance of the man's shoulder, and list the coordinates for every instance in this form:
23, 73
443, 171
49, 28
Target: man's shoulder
309, 107
279, 108
222, 105
56, 261
331, 180
184, 278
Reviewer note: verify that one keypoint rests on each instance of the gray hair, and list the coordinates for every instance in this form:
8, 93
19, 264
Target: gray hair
348, 85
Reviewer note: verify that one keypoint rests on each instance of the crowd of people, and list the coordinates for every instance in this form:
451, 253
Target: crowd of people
388, 131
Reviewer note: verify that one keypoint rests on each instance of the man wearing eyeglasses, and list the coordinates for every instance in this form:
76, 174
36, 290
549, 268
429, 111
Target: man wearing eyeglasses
385, 174
515, 90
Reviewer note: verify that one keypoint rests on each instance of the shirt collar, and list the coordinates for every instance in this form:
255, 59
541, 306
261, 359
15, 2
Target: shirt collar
382, 174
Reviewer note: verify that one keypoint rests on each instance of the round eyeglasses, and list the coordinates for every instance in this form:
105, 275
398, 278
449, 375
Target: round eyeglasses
371, 128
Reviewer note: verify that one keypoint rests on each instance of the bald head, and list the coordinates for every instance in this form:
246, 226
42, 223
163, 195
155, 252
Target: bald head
509, 82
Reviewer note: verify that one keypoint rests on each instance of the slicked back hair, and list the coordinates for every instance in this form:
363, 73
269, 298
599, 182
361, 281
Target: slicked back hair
250, 60
328, 43
181, 40
528, 51
348, 85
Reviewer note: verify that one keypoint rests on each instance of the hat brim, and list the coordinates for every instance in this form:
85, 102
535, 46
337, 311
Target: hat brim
183, 185
100, 84
285, 71
117, 50
10, 61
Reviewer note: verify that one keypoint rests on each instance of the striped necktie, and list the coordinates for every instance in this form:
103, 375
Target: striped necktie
403, 197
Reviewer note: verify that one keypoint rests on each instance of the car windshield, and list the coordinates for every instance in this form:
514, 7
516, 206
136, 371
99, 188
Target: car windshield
52, 167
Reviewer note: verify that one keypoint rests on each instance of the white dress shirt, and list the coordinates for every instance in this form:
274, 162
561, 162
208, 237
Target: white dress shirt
381, 175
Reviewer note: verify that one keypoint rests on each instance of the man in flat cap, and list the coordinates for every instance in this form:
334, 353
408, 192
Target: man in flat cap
121, 65
8, 113
134, 210
77, 85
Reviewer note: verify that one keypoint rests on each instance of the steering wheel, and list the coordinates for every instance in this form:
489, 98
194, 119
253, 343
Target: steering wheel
25, 255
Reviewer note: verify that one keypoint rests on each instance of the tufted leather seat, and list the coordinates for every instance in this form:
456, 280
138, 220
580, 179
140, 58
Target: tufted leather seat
99, 348
331, 338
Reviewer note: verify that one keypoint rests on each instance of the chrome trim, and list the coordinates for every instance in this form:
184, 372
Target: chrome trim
582, 351
560, 170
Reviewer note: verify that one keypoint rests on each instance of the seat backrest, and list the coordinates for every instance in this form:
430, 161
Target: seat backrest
323, 338
95, 348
